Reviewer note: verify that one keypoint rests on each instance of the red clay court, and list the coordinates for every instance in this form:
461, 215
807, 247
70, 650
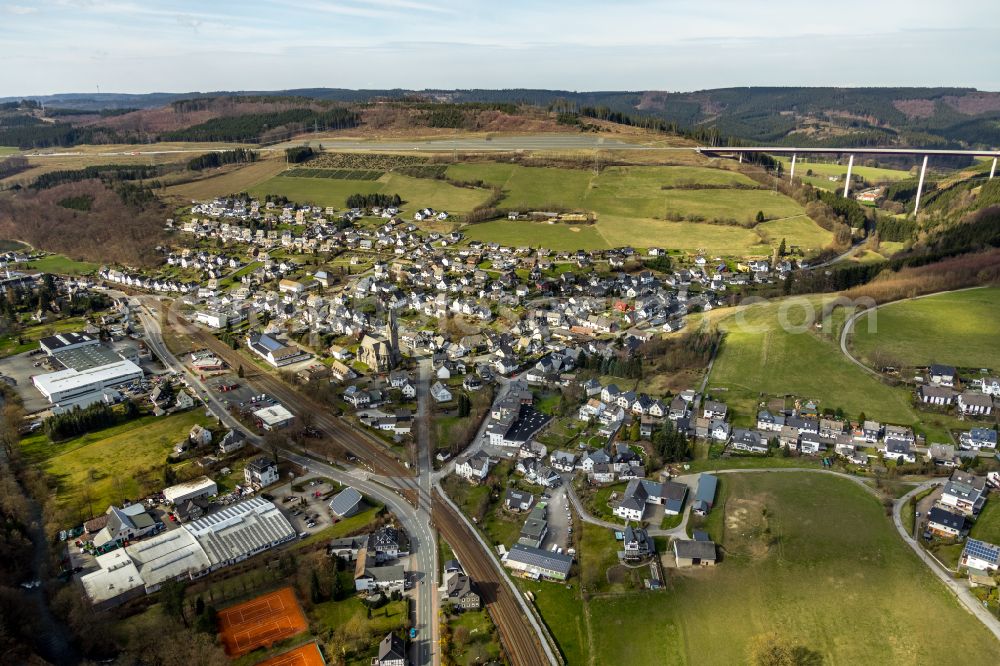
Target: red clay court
307, 655
260, 622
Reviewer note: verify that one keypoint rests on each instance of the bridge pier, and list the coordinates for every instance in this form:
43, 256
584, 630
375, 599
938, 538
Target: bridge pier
993, 169
847, 183
741, 158
920, 186
791, 176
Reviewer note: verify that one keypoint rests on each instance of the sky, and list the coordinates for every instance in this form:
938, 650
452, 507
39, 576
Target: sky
135, 46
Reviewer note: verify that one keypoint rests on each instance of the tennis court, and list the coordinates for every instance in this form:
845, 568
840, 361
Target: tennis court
307, 655
261, 621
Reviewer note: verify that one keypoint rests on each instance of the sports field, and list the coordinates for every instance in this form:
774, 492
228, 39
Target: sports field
809, 556
306, 655
57, 263
261, 621
960, 328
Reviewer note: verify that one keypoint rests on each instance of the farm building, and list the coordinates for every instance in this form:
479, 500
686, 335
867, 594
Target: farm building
690, 553
705, 497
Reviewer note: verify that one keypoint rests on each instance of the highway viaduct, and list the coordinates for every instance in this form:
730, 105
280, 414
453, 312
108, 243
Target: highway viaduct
851, 152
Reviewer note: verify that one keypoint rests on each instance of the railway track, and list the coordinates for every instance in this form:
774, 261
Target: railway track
519, 640
360, 444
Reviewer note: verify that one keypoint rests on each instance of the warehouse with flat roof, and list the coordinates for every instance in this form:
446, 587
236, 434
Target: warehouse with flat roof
116, 581
193, 489
66, 341
241, 530
168, 556
72, 385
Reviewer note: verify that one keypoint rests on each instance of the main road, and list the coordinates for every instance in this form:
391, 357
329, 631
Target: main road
416, 522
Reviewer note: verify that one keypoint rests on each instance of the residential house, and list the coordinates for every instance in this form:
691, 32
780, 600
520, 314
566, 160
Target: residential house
474, 467
440, 392
964, 493
518, 500
978, 439
461, 592
260, 472
749, 441
980, 555
975, 404
942, 375
946, 524
391, 652
637, 544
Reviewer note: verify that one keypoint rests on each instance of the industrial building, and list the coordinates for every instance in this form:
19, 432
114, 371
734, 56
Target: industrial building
66, 341
72, 387
193, 489
236, 532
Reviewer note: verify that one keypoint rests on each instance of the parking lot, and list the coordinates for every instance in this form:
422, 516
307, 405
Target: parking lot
21, 368
307, 506
560, 520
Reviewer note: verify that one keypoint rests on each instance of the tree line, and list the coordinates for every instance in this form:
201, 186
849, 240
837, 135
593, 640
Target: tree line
251, 127
220, 158
79, 421
299, 154
373, 200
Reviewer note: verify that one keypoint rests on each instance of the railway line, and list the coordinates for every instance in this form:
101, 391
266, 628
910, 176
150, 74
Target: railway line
355, 442
519, 640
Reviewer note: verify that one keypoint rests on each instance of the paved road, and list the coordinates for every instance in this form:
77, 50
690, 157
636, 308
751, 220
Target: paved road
849, 325
959, 587
415, 522
497, 143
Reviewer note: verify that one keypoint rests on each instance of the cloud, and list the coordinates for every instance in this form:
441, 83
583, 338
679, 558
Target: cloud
19, 10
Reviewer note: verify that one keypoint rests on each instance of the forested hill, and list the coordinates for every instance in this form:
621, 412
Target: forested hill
818, 116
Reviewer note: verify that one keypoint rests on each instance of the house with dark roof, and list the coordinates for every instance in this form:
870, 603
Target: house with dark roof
461, 592
945, 523
391, 652
694, 553
637, 544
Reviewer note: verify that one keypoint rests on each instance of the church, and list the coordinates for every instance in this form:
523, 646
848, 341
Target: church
381, 352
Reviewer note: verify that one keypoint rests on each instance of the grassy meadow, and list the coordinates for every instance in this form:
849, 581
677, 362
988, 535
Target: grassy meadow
418, 192
811, 557
104, 467
960, 328
639, 206
759, 356
57, 263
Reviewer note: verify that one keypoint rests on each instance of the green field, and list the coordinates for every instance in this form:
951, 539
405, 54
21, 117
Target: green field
633, 208
105, 467
821, 170
538, 234
417, 192
811, 557
960, 329
987, 527
759, 356
57, 263
27, 338
8, 150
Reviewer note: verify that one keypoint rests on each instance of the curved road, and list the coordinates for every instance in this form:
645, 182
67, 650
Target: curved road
849, 324
957, 587
416, 523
